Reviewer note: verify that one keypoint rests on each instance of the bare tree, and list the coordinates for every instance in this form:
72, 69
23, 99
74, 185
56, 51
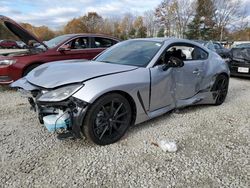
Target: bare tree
93, 21
149, 21
229, 13
184, 11
175, 16
165, 16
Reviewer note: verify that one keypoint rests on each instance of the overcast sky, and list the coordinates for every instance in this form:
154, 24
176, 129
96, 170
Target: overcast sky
55, 13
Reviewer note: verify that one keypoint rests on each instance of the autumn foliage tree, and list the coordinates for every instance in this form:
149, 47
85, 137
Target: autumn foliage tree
42, 32
89, 23
75, 26
193, 19
5, 33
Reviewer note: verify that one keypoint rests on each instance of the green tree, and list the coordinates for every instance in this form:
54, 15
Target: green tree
202, 26
141, 30
132, 32
161, 32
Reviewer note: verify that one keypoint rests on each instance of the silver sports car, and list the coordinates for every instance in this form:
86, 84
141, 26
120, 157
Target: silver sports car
131, 82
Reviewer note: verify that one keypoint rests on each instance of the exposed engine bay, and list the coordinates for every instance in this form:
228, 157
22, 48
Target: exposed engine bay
20, 52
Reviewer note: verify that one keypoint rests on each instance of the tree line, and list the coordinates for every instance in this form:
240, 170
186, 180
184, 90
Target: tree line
192, 19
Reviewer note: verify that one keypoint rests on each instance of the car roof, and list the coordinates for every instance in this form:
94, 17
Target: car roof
170, 40
91, 35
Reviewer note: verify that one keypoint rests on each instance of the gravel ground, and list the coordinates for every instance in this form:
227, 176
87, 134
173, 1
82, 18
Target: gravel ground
213, 149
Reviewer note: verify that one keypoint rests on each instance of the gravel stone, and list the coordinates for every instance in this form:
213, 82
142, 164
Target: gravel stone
213, 149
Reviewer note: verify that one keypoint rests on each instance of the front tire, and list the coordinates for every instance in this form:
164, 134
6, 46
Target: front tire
108, 119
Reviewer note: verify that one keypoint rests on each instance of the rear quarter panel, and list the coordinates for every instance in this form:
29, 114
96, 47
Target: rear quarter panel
214, 66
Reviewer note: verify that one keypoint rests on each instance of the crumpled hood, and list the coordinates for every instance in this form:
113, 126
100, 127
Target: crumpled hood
60, 73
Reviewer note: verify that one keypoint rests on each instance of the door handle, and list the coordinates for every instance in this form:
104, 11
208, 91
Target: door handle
197, 71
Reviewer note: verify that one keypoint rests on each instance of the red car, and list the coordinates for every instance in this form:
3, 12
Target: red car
71, 46
8, 44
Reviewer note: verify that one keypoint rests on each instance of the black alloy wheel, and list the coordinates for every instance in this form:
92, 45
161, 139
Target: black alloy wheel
108, 119
220, 89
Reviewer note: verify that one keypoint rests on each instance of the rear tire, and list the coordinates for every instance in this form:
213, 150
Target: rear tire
220, 88
107, 119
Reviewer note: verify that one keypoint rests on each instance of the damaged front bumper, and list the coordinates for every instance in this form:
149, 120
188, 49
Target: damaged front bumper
75, 109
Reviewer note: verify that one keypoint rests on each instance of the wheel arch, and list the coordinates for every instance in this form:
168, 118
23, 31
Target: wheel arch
221, 73
224, 73
128, 97
33, 64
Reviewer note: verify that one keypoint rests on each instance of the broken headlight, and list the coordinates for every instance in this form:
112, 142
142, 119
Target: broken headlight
59, 94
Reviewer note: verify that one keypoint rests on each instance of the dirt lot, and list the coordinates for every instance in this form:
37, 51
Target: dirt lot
213, 149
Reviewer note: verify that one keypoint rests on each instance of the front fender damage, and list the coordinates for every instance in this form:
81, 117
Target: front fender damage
76, 110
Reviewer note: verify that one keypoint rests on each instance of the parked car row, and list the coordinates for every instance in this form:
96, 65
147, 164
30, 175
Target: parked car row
8, 44
239, 62
238, 57
217, 47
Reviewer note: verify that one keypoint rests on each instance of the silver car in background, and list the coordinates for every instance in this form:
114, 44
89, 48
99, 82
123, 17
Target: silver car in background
129, 83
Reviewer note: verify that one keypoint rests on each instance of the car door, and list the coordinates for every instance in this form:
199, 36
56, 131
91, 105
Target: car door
77, 48
188, 78
162, 86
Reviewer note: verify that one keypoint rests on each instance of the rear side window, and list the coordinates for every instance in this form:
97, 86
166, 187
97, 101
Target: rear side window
187, 52
103, 42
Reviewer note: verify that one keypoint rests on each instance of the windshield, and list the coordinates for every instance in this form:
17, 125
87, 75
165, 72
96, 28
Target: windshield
55, 41
132, 52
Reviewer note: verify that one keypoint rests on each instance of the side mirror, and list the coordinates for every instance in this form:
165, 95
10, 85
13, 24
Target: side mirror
173, 62
62, 49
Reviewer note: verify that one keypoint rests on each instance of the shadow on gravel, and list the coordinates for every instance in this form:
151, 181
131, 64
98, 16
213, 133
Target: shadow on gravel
167, 116
240, 78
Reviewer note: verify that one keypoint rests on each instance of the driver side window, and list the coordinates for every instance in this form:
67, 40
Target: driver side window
78, 43
183, 52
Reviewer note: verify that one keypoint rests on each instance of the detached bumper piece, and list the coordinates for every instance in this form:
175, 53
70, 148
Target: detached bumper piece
67, 115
